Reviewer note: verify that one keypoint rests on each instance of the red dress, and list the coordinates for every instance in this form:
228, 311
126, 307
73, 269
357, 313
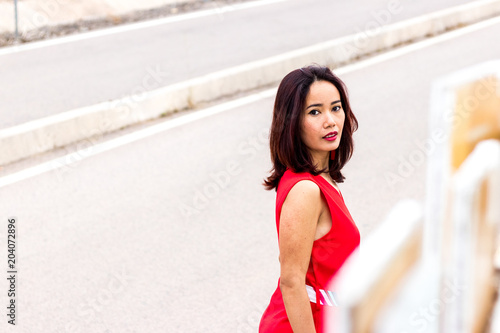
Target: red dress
328, 254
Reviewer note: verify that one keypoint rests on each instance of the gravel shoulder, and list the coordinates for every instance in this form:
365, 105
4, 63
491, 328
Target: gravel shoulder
44, 19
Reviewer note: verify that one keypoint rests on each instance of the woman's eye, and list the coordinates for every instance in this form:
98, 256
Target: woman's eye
336, 108
314, 112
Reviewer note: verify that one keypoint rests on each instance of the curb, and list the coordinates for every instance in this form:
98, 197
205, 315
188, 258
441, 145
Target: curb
42, 135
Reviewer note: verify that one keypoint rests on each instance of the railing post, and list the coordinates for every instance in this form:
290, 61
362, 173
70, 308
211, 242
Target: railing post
16, 34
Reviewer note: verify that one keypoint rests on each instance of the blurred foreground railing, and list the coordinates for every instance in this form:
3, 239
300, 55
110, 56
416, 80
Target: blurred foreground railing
475, 216
368, 278
451, 285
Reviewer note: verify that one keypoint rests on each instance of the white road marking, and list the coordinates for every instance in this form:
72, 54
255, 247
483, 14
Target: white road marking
135, 136
136, 26
418, 45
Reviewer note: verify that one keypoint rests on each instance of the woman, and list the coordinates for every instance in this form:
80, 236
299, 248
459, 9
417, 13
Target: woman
310, 141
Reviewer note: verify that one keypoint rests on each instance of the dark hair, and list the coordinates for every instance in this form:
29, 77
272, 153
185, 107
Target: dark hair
287, 148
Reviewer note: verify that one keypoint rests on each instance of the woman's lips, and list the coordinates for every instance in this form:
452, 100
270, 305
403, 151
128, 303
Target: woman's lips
332, 136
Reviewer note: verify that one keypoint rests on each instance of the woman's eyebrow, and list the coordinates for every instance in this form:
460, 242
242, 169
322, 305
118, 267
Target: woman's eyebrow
315, 105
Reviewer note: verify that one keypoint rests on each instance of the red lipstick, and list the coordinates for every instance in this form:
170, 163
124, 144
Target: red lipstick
332, 136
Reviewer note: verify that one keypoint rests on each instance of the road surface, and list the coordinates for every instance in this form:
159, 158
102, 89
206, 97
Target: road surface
174, 233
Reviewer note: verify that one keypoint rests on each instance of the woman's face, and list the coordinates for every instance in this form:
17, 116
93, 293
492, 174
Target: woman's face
323, 118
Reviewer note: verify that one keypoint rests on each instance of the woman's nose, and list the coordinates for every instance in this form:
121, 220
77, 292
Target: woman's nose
330, 120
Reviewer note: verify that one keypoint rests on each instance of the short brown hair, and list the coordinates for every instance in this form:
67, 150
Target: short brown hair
287, 148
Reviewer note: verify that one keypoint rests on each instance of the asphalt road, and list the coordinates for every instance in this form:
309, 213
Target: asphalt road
46, 81
174, 233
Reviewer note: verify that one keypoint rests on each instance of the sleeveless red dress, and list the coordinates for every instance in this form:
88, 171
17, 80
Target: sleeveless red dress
327, 256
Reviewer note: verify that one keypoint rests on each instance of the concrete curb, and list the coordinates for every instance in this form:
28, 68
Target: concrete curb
37, 136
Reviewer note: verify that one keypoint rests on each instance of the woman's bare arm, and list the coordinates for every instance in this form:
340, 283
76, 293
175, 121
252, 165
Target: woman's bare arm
298, 220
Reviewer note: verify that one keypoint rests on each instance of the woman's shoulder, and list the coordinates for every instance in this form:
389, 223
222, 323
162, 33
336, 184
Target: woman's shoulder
290, 174
290, 178
303, 182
